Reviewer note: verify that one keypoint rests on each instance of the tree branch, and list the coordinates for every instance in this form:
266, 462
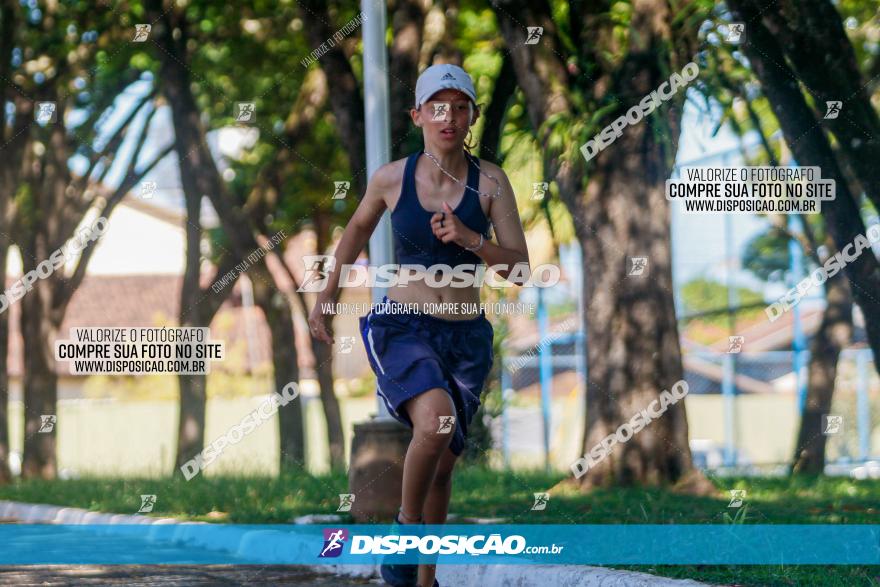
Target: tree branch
346, 100
68, 288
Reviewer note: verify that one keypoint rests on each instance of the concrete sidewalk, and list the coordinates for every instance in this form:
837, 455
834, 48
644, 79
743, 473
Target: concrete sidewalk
272, 574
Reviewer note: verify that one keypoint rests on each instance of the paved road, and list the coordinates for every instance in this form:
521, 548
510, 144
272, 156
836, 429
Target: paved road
170, 575
181, 573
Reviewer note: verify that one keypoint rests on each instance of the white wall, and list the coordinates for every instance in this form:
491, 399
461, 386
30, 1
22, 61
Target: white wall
135, 243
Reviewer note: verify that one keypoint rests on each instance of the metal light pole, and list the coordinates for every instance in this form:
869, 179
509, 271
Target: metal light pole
728, 384
378, 140
378, 445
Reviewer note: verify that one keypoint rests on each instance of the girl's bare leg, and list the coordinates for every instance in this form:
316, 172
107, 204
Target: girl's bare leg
425, 449
425, 485
437, 507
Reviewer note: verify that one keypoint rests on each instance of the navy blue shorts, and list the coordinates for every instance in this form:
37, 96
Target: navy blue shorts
413, 352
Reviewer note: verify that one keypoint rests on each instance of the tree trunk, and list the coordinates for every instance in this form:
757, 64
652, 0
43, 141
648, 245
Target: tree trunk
633, 351
407, 26
286, 370
495, 113
191, 419
193, 388
812, 36
40, 382
56, 202
323, 354
810, 147
197, 310
5, 473
346, 100
332, 413
835, 332
440, 44
10, 167
199, 177
38, 331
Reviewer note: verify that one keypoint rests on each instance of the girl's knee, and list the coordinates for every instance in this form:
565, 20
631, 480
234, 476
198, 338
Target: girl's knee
432, 412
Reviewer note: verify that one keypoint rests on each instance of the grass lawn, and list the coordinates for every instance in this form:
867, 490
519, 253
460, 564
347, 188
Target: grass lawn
484, 493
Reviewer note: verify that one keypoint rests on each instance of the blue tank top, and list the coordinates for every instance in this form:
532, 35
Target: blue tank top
414, 242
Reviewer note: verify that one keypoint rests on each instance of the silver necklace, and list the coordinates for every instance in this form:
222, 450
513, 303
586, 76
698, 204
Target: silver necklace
458, 181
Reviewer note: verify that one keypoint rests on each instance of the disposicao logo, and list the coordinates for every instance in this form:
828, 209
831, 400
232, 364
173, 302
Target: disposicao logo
334, 539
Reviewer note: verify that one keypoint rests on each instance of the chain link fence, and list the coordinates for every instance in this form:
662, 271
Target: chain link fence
743, 408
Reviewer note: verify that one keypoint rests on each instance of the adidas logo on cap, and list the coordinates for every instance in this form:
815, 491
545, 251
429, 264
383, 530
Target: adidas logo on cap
441, 77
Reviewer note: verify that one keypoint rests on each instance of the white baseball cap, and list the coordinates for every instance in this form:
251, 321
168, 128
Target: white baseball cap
441, 77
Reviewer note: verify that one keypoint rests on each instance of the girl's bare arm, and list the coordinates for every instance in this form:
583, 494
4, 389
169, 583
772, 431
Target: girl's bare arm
355, 236
511, 248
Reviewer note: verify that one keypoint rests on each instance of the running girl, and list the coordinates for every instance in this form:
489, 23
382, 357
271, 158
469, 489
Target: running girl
430, 368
